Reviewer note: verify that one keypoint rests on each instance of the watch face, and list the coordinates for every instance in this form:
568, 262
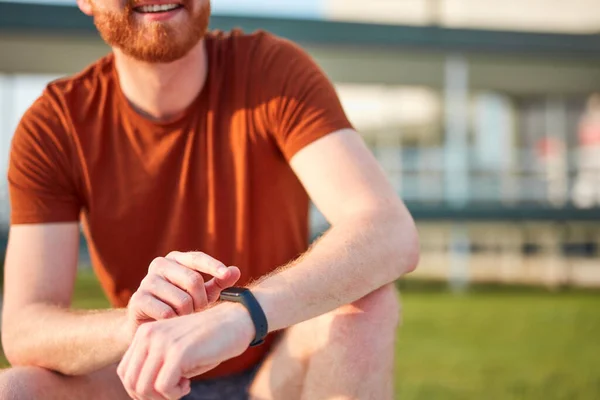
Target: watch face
234, 291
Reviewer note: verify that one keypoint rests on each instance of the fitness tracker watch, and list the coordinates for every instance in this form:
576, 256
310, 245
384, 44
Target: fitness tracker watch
246, 298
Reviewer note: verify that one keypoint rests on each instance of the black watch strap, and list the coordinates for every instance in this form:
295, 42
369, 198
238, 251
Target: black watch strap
247, 299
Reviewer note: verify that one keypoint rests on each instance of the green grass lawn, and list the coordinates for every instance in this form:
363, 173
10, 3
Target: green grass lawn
498, 343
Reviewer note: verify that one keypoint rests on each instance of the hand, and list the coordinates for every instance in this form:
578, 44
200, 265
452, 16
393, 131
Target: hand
174, 287
164, 355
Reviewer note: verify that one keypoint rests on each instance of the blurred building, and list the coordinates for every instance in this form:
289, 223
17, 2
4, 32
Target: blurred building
482, 113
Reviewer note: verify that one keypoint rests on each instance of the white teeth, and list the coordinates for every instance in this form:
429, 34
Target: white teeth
157, 8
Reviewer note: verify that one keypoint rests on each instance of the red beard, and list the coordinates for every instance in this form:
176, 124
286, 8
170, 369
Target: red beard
153, 42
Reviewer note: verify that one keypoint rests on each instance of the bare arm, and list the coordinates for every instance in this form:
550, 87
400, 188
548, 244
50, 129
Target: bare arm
372, 241
38, 328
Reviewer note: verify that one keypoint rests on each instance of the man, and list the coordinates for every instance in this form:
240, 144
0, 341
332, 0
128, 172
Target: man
189, 157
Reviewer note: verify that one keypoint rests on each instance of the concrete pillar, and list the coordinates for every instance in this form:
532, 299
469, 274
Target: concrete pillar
456, 94
460, 254
557, 161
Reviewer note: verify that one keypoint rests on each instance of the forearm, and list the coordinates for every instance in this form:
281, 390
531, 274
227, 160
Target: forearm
352, 259
72, 342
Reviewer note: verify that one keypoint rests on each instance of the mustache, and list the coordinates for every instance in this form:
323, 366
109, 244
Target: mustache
131, 4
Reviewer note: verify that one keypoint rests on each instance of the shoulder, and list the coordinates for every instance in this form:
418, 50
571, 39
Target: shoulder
48, 118
259, 45
64, 100
269, 62
74, 90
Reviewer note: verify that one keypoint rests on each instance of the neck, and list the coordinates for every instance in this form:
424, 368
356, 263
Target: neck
161, 91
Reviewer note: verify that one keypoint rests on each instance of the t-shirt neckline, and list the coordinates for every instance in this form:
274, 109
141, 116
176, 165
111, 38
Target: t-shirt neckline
167, 124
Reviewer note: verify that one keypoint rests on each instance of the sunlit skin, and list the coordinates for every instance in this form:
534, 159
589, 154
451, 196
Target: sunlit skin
336, 295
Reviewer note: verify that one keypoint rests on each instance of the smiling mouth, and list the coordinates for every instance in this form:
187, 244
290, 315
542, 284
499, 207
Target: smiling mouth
157, 8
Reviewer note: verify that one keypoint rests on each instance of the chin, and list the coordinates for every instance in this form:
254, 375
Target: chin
159, 55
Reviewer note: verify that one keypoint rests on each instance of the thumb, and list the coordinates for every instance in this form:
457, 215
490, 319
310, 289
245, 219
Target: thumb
216, 285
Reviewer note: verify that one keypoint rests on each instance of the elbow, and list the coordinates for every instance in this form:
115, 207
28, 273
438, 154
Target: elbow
14, 345
413, 256
411, 251
405, 244
22, 350
18, 346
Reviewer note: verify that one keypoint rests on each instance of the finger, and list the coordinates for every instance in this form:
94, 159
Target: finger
150, 369
200, 262
122, 371
215, 286
169, 379
134, 366
122, 368
154, 309
185, 386
186, 279
163, 290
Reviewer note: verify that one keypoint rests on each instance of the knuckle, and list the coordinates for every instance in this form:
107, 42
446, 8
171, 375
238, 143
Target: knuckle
161, 388
212, 262
134, 299
146, 300
129, 383
172, 254
216, 265
144, 390
167, 313
156, 264
144, 303
150, 282
186, 301
135, 306
195, 280
197, 258
140, 297
146, 330
176, 353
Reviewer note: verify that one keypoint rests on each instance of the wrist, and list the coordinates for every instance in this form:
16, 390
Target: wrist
246, 298
125, 329
241, 321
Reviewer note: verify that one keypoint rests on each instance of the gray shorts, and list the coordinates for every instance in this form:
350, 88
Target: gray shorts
234, 387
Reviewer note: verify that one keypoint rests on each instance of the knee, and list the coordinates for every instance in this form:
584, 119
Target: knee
379, 312
382, 305
376, 315
21, 383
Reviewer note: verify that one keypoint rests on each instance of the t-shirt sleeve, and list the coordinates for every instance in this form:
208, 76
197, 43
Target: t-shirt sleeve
40, 174
302, 103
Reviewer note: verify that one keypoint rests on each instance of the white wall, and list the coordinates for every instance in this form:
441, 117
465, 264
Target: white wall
574, 16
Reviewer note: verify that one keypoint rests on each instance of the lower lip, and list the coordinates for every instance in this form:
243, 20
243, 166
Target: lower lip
159, 16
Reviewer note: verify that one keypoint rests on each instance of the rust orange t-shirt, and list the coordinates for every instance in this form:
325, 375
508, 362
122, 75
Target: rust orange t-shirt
215, 179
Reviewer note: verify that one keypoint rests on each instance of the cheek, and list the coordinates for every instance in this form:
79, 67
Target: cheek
108, 6
198, 5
